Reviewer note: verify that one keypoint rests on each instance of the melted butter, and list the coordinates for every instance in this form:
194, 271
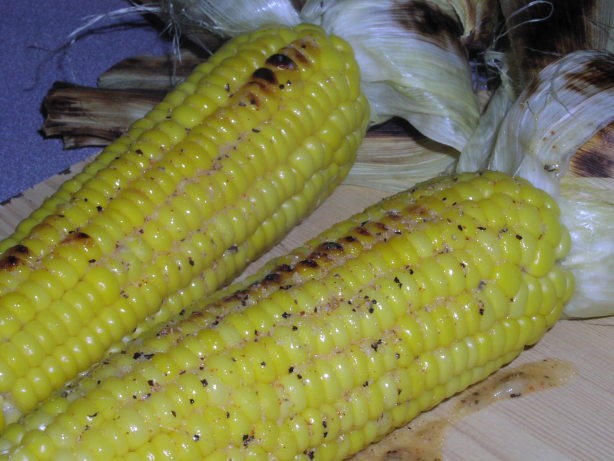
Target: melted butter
424, 437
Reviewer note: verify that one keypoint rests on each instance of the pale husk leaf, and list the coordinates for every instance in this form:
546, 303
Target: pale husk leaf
587, 206
407, 72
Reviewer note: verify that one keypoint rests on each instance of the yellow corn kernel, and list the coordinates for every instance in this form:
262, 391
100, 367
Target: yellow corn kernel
206, 182
332, 361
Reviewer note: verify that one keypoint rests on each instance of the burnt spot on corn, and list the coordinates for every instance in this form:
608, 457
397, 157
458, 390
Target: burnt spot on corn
14, 257
327, 247
272, 277
283, 268
240, 296
265, 74
281, 61
310, 263
78, 237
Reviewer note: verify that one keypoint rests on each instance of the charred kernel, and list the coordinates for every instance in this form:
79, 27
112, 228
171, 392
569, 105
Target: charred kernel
308, 263
265, 74
329, 246
281, 61
272, 277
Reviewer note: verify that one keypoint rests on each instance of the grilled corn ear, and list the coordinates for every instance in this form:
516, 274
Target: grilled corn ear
332, 346
212, 177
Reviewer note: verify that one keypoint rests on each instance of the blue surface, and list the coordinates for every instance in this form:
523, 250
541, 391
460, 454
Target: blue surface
34, 52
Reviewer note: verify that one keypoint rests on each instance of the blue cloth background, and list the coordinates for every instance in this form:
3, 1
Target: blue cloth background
33, 54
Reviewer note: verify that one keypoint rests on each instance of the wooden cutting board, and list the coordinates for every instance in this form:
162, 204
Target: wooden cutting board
554, 403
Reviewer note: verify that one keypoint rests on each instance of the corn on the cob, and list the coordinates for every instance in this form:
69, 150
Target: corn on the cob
218, 172
330, 347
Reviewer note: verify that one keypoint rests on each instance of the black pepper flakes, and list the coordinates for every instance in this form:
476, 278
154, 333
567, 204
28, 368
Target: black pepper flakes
139, 355
247, 439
